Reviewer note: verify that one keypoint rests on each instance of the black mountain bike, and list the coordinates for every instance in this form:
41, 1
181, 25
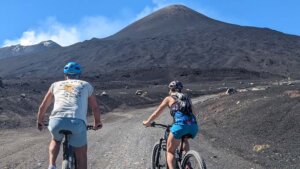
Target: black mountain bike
190, 160
69, 158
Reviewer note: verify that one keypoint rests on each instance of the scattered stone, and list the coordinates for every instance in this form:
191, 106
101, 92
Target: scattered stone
292, 93
262, 147
139, 92
259, 88
23, 95
104, 94
238, 102
242, 90
231, 91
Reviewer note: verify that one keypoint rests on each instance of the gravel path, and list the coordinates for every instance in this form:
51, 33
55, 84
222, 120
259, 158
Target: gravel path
122, 143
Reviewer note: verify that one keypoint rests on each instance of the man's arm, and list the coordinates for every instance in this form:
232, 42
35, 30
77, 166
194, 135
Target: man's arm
43, 108
96, 111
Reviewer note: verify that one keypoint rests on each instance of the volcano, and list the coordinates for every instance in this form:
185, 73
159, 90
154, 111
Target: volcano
173, 41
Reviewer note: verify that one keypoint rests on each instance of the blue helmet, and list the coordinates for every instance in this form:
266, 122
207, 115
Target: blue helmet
72, 68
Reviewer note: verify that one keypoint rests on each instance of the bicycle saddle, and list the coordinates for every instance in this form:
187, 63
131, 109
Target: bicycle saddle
187, 136
66, 132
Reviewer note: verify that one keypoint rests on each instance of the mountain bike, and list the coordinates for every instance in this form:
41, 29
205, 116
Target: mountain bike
69, 158
190, 160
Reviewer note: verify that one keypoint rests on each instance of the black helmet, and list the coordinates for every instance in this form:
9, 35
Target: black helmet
176, 85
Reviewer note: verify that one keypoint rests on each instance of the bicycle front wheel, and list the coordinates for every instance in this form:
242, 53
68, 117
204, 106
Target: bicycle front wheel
159, 157
192, 159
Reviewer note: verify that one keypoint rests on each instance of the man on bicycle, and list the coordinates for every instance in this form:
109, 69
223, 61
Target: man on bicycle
183, 117
71, 99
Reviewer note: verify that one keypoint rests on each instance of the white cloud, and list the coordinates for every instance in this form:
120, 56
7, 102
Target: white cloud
65, 35
86, 28
158, 4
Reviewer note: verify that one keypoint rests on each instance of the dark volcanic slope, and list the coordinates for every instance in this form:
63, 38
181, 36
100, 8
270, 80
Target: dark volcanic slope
262, 126
19, 50
172, 38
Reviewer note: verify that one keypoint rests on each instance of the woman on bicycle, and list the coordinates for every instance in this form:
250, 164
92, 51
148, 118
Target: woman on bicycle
184, 120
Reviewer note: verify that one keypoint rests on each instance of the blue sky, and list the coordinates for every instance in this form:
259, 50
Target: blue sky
70, 21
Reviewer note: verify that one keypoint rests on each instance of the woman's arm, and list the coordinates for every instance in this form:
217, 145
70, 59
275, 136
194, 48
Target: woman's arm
157, 112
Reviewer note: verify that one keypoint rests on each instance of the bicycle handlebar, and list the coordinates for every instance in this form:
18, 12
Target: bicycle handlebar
88, 127
153, 124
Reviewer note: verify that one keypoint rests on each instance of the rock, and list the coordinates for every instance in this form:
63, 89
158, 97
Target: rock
259, 148
103, 94
23, 95
139, 92
230, 91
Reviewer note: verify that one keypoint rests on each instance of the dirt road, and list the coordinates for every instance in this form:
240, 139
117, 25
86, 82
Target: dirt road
122, 143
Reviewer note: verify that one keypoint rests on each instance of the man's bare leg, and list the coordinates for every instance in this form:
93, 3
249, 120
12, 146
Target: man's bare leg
53, 152
81, 157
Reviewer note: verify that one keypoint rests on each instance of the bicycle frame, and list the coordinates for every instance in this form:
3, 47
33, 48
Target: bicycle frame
178, 153
182, 160
68, 153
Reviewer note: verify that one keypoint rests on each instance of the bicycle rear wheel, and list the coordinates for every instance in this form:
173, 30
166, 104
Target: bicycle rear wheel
159, 160
69, 163
192, 160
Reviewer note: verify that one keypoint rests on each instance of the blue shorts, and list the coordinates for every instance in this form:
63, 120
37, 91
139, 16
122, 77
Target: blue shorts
180, 130
78, 138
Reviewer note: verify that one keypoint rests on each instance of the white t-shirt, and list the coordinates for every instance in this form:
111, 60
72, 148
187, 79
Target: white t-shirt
71, 98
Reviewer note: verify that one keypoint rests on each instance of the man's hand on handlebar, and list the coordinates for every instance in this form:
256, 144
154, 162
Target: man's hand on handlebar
40, 125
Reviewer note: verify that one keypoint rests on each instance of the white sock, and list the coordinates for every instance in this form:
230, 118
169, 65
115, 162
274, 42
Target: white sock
51, 167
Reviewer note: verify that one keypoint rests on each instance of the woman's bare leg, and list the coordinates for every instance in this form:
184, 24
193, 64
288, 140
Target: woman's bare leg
172, 144
186, 145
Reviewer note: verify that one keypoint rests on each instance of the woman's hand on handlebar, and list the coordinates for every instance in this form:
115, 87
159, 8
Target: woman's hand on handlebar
147, 123
97, 126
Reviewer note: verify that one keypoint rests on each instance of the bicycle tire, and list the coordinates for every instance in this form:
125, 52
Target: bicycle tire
154, 155
157, 157
193, 154
66, 163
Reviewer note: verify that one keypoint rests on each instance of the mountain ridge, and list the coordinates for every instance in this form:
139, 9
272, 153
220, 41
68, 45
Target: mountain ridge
20, 50
164, 40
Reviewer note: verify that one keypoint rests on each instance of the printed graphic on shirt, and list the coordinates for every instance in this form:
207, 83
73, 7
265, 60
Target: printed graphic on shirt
72, 89
69, 88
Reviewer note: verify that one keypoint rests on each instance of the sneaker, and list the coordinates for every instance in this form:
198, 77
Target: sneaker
51, 167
